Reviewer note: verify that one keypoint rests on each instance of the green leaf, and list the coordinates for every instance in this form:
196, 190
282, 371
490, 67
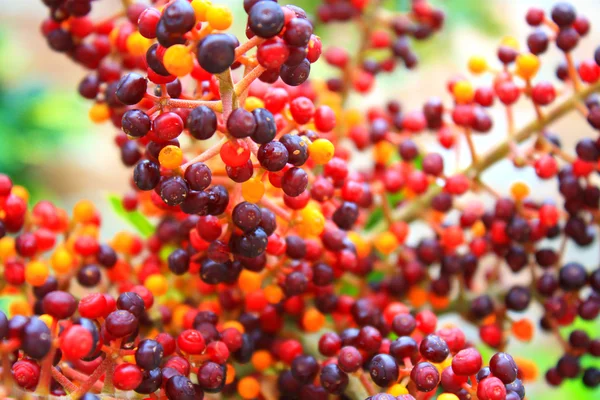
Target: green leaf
349, 289
142, 225
375, 276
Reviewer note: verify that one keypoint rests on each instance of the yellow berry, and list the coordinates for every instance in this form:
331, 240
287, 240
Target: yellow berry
157, 284
447, 396
519, 190
386, 242
383, 152
363, 246
477, 64
20, 192
249, 387
510, 41
137, 45
463, 92
353, 117
99, 112
397, 390
7, 247
36, 273
321, 151
61, 261
235, 325
178, 60
478, 229
311, 221
84, 211
219, 17
252, 103
47, 319
170, 157
527, 65
200, 9
253, 190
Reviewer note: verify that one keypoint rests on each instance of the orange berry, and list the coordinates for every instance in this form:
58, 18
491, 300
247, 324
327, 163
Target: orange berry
313, 320
84, 211
463, 92
519, 191
230, 374
417, 296
528, 368
261, 360
170, 157
248, 387
36, 273
235, 325
249, 281
178, 60
157, 284
99, 112
386, 242
523, 329
439, 302
273, 293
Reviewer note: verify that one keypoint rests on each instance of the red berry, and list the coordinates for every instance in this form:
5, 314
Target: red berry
127, 376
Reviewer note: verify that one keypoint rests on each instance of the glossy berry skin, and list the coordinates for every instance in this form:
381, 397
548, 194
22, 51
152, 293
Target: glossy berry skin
266, 19
121, 323
349, 359
241, 123
425, 376
179, 387
467, 362
434, 348
266, 128
304, 368
131, 89
127, 376
216, 53
149, 354
273, 156
491, 388
59, 304
202, 123
383, 370
36, 339
198, 176
26, 374
333, 379
503, 367
179, 17
211, 377
247, 216
135, 123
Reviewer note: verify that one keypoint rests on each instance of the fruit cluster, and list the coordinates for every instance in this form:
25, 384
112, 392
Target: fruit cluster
275, 268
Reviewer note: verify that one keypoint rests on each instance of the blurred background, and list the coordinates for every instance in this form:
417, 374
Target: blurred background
48, 144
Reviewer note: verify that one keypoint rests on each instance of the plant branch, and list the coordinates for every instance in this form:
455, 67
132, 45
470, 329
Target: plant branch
411, 211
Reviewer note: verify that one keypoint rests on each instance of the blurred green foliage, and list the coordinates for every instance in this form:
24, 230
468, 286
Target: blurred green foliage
35, 121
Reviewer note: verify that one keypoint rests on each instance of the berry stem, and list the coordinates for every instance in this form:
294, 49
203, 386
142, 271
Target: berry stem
46, 374
63, 380
92, 379
573, 72
206, 154
228, 94
178, 103
472, 149
412, 210
245, 82
278, 210
243, 48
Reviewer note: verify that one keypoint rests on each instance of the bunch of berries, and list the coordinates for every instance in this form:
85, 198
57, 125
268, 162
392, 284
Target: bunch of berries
267, 264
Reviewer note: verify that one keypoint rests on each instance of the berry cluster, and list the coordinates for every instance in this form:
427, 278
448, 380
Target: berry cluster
276, 268
384, 42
